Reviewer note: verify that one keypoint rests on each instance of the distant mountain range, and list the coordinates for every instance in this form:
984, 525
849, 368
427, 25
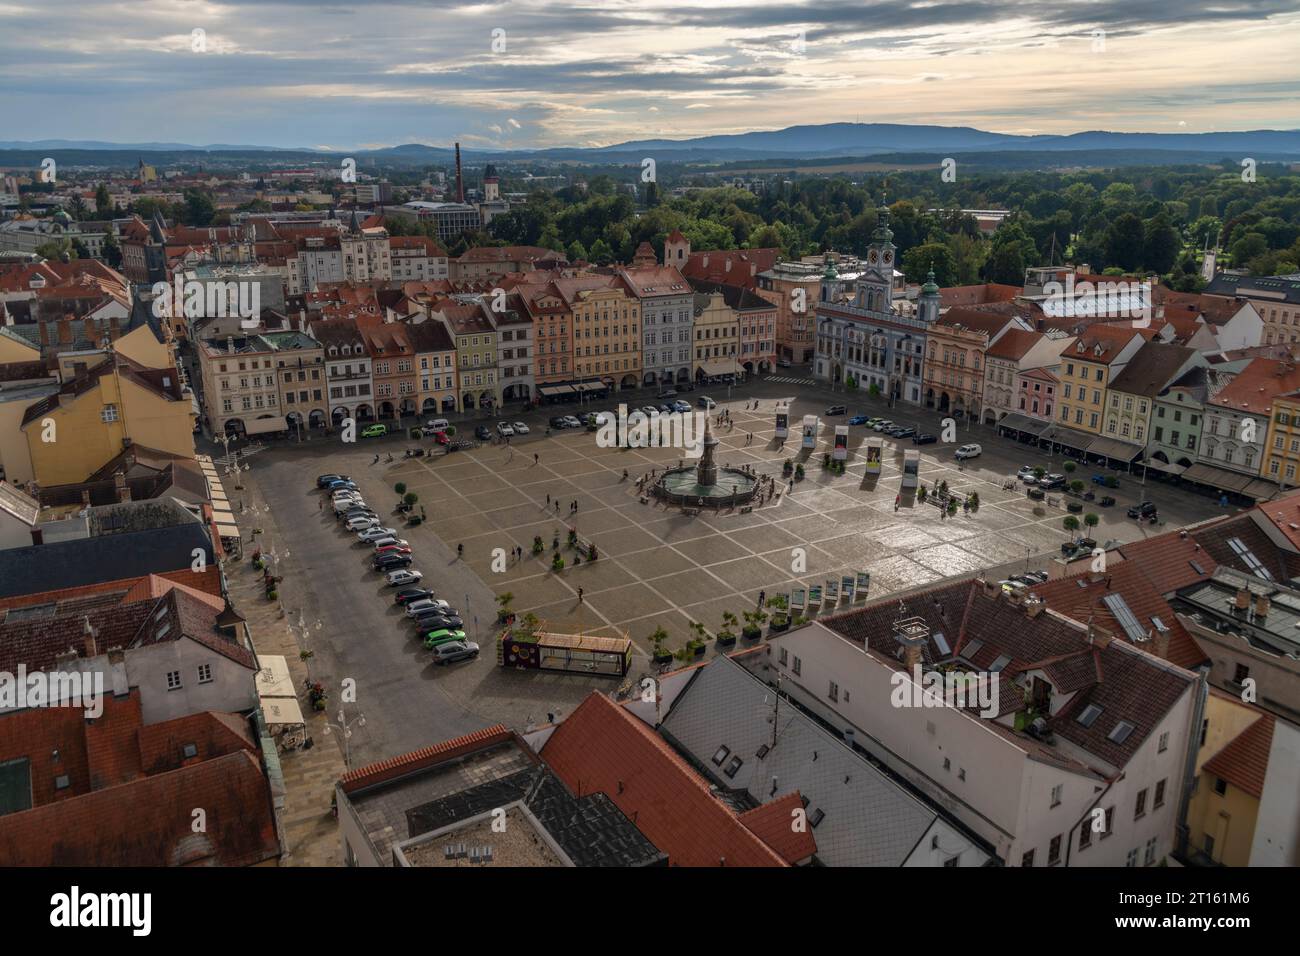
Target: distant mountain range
795, 142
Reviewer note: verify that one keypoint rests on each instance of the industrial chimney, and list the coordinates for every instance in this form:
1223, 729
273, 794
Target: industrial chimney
460, 182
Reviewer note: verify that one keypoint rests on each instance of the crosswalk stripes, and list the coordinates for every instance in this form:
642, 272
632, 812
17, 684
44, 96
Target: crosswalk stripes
786, 380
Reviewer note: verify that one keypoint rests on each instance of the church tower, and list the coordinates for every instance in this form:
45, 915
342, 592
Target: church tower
927, 306
677, 250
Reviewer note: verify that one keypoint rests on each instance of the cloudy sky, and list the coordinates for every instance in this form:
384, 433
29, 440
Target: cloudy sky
349, 73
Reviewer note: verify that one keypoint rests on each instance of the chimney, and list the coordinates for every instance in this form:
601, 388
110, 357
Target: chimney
117, 669
119, 486
460, 183
727, 266
114, 329
65, 330
89, 325
45, 333
302, 320
1160, 643
1261, 606
1243, 599
705, 263
38, 536
230, 344
88, 635
1034, 607
753, 269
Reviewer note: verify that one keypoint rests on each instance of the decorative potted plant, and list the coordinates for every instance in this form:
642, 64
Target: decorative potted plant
780, 613
787, 468
591, 552
658, 639
1069, 467
1071, 524
538, 547
1039, 471
557, 562
726, 637
921, 493
974, 501
697, 645
409, 500
754, 621
1077, 486
316, 695
952, 507
504, 613
798, 472
1091, 520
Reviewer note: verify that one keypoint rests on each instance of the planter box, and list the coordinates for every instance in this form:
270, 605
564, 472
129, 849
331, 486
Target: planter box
752, 635
664, 658
776, 628
1074, 507
699, 650
726, 641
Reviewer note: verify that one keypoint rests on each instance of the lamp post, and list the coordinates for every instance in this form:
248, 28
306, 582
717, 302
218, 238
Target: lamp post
344, 726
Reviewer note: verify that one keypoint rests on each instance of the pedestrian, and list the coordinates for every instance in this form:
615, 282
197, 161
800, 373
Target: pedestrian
460, 551
579, 595
548, 499
320, 504
761, 596
557, 506
536, 459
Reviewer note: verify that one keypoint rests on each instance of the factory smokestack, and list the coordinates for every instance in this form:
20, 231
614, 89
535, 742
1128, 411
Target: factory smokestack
460, 182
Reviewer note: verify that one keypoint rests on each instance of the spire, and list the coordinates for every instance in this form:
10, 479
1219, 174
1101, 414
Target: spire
931, 287
829, 273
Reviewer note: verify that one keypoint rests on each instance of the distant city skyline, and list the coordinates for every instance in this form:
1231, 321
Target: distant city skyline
597, 72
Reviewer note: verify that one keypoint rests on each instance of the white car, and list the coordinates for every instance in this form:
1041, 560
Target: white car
388, 539
968, 451
375, 533
416, 608
520, 428
437, 425
881, 425
342, 506
361, 523
571, 422
402, 576
505, 429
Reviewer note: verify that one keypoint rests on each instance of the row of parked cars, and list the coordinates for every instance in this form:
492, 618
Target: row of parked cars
436, 621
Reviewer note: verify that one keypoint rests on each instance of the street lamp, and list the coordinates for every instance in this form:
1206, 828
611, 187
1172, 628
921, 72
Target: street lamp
344, 727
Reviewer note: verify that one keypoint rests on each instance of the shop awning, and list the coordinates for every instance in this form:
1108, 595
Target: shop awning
1156, 465
273, 678
721, 367
1069, 437
1022, 423
282, 711
1219, 478
554, 391
1260, 490
1114, 448
228, 530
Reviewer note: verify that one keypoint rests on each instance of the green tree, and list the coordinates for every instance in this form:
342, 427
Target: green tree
1161, 245
919, 260
1124, 242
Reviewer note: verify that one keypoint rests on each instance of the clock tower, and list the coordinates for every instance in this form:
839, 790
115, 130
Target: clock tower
875, 289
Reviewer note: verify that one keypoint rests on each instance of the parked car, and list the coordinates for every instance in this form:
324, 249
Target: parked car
648, 410
453, 651
338, 483
441, 438
394, 549
481, 433
1038, 577
442, 636
1051, 480
903, 431
705, 402
873, 421
1027, 474
668, 393
968, 451
341, 508
403, 576
858, 420
571, 421
783, 363
325, 481
1143, 509
681, 407
415, 608
361, 511
387, 540
557, 421
376, 430
520, 428
361, 523
835, 410
437, 425
505, 429
881, 424
391, 562
925, 438
1100, 479
1011, 584
408, 594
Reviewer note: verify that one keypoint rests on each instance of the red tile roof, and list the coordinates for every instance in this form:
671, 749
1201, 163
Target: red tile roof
394, 767
1014, 344
1244, 761
601, 747
733, 266
773, 823
1253, 389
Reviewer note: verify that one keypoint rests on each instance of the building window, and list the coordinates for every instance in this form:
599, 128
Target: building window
1054, 851
1164, 743
1220, 786
1140, 810
173, 680
1027, 859
1056, 794
205, 673
834, 692
108, 413
782, 655
1150, 855
1158, 800
798, 665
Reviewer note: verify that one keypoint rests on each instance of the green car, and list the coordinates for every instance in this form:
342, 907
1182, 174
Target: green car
375, 431
434, 638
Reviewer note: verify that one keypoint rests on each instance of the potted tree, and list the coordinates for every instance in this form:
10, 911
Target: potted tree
504, 613
754, 621
1077, 486
974, 501
1071, 524
787, 468
798, 472
557, 562
697, 645
409, 500
726, 637
780, 613
660, 655
1069, 467
1091, 520
538, 547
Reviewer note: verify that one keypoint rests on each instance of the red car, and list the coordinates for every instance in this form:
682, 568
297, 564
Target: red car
441, 438
393, 549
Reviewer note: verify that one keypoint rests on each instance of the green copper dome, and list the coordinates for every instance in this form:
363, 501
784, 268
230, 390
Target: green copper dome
931, 287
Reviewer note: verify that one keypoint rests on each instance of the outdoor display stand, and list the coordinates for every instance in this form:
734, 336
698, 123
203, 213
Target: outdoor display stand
810, 431
798, 600
911, 468
841, 451
846, 587
832, 591
875, 447
864, 583
782, 425
814, 594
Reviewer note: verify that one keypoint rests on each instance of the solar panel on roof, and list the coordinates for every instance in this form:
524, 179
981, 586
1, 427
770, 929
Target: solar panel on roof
1124, 614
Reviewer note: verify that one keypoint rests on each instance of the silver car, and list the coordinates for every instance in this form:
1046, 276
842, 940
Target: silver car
454, 651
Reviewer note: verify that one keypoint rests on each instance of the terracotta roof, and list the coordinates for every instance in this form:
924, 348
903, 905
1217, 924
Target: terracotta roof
1013, 344
384, 771
1111, 337
601, 747
149, 821
734, 266
1253, 389
970, 320
773, 824
1243, 762
977, 294
1151, 368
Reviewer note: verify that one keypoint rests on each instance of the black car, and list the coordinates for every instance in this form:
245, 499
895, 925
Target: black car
1143, 510
438, 622
409, 594
324, 481
1052, 481
481, 433
925, 438
836, 410
557, 421
391, 561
